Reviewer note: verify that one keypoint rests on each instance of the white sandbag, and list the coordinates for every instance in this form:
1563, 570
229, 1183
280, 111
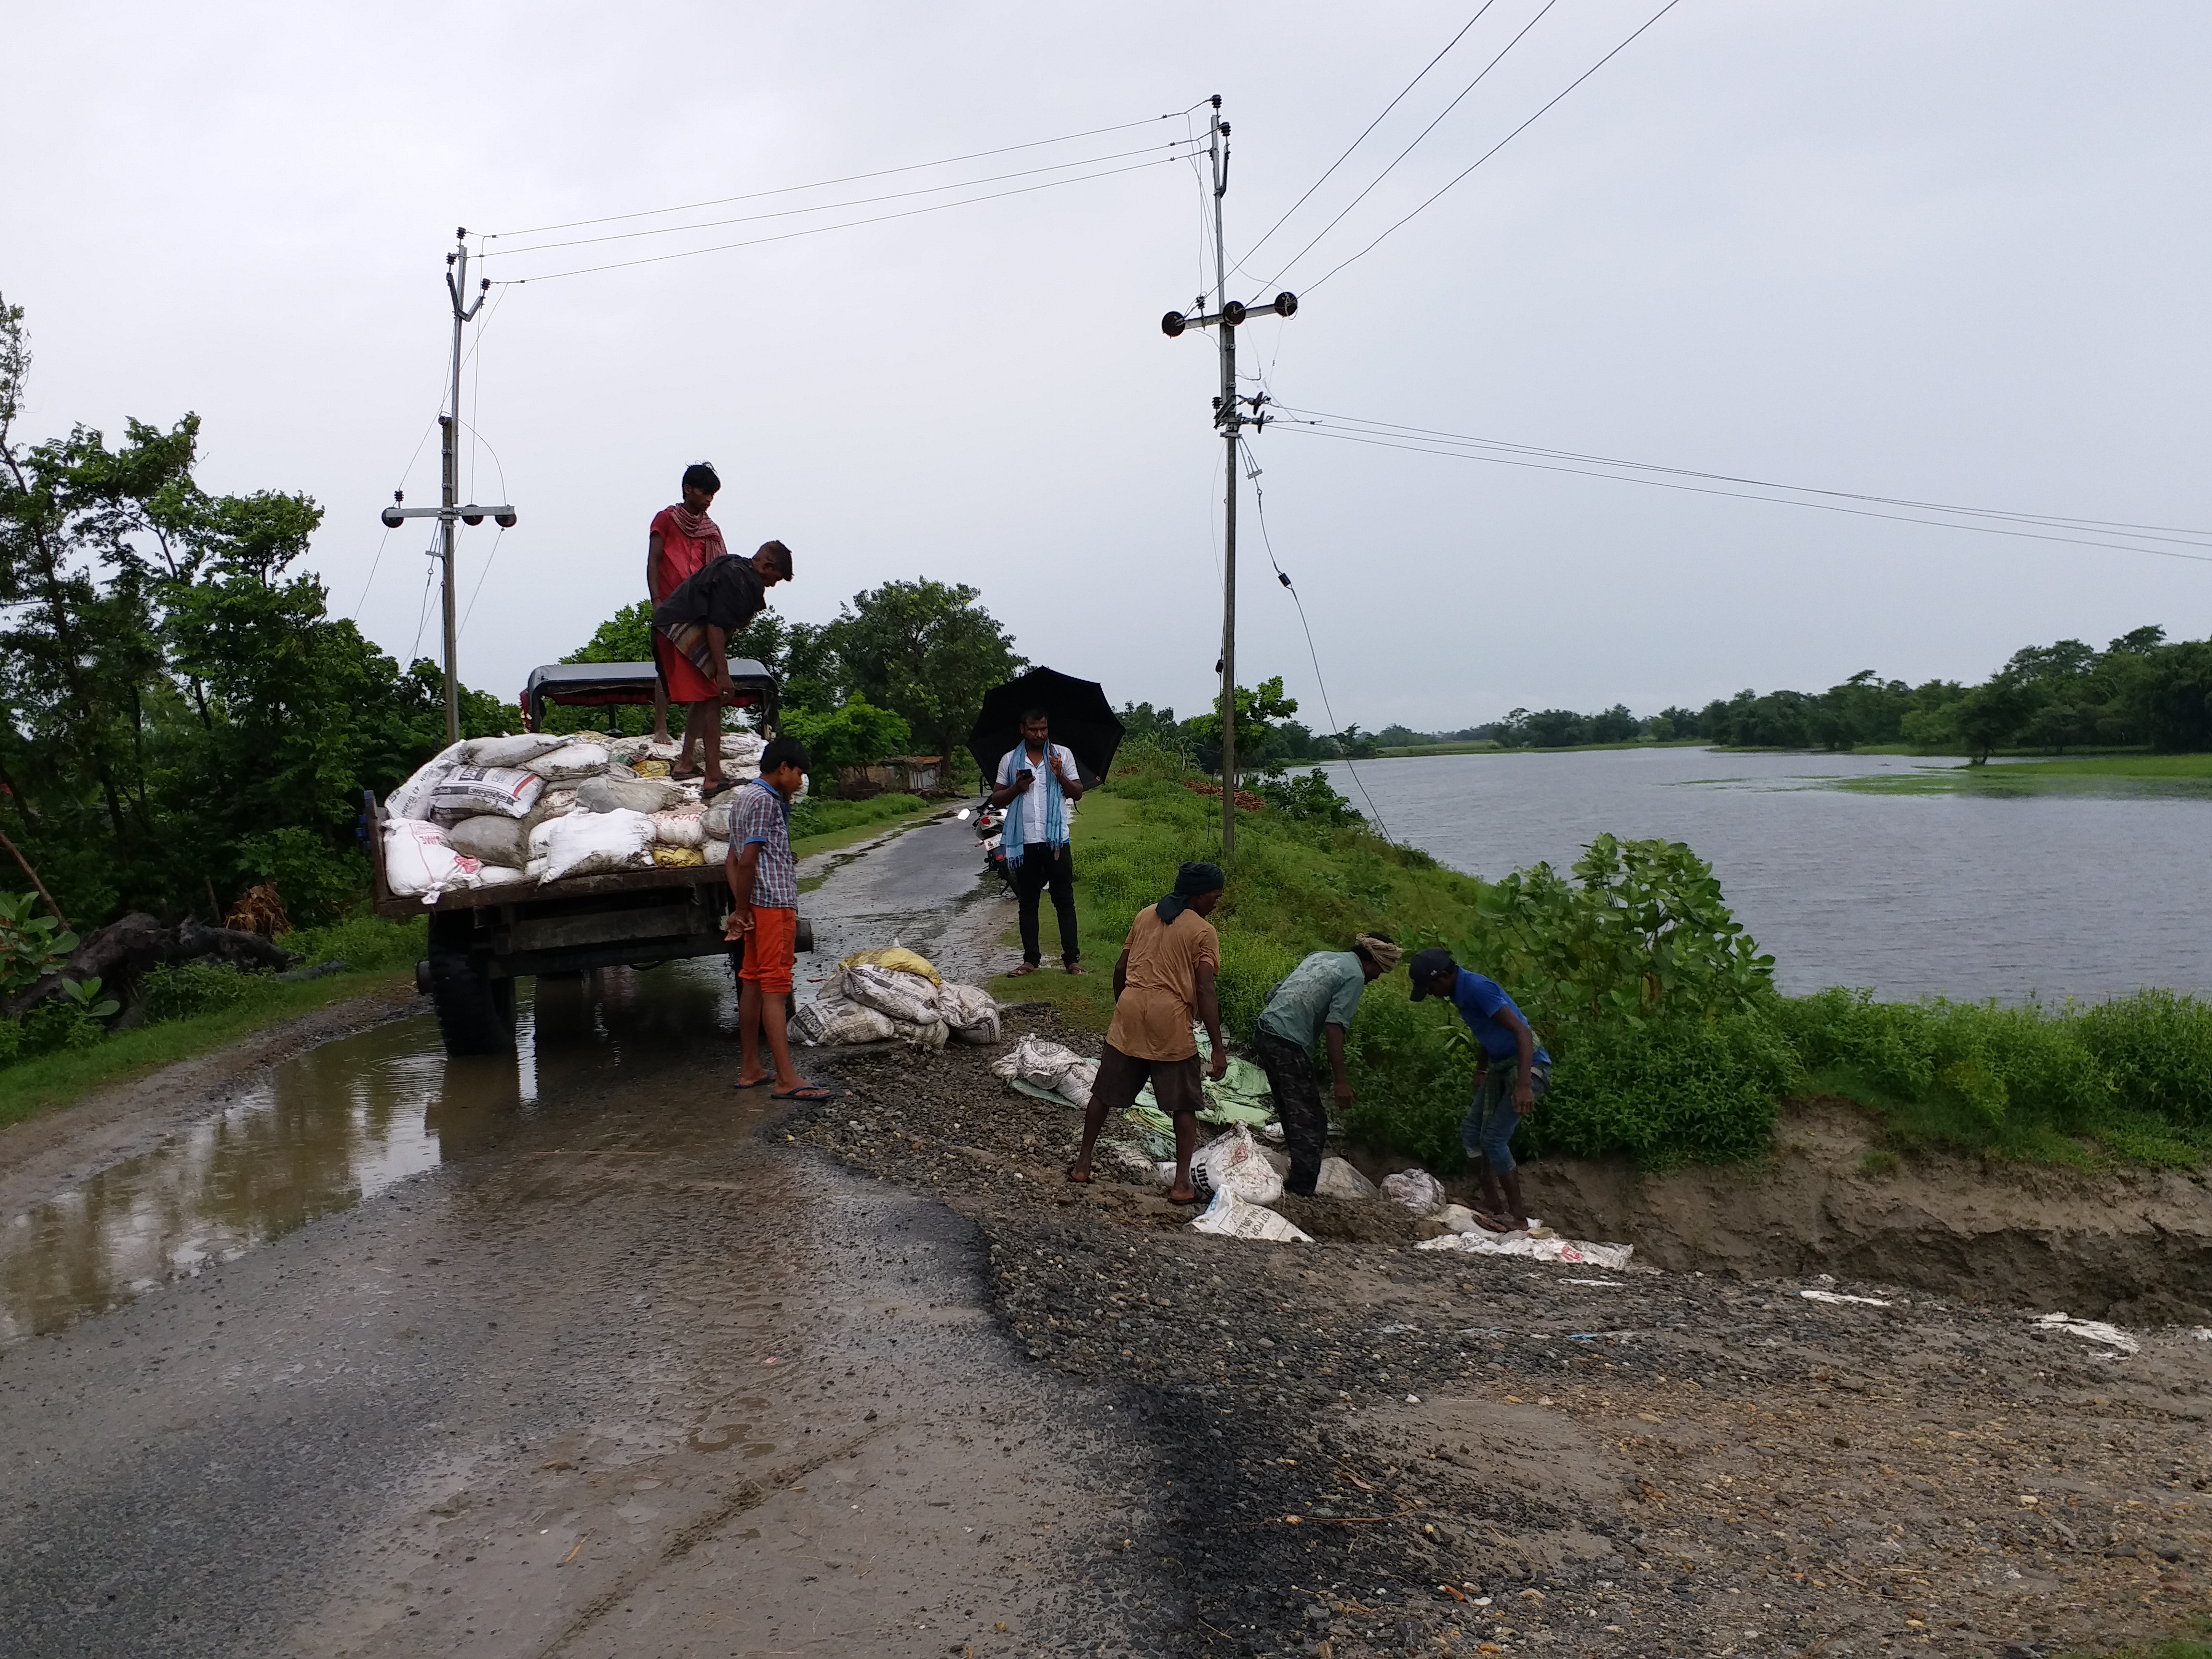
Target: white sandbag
417, 861
679, 828
902, 996
1549, 1248
829, 1021
571, 762
595, 843
1051, 1066
1234, 1163
493, 837
606, 794
1460, 1218
931, 1034
468, 790
1338, 1179
970, 1011
495, 875
717, 820
518, 750
1416, 1189
716, 852
1231, 1216
411, 800
744, 747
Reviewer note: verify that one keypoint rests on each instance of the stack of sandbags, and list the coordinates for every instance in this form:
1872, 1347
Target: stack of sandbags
878, 995
544, 807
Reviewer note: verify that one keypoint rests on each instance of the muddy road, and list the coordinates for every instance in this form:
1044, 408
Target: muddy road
362, 1351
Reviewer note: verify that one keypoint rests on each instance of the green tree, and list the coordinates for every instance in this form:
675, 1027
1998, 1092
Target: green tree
859, 734
924, 649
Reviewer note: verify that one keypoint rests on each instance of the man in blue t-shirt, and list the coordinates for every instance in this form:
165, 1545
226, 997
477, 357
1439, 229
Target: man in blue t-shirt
1513, 1073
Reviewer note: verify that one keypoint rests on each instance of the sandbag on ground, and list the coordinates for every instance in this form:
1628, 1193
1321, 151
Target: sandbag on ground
1048, 1070
1535, 1248
1231, 1216
1234, 1163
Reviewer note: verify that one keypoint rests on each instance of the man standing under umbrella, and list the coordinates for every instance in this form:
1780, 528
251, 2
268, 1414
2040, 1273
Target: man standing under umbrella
1035, 781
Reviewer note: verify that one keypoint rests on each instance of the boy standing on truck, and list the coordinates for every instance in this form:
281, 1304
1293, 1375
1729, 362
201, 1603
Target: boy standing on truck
765, 916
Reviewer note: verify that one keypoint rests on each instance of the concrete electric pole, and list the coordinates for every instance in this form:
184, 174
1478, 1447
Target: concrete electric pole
1229, 419
450, 508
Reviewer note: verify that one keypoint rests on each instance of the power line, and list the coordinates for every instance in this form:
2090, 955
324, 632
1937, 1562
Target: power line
1364, 131
1259, 501
831, 207
1409, 149
2191, 537
817, 230
1499, 145
1738, 495
848, 179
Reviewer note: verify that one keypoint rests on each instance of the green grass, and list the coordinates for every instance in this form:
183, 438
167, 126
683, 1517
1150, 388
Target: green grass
1417, 750
2130, 773
823, 826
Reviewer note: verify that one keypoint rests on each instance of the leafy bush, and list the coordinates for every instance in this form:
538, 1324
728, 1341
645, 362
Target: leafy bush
1310, 798
32, 944
1667, 1092
2157, 1049
362, 942
61, 1023
180, 990
858, 734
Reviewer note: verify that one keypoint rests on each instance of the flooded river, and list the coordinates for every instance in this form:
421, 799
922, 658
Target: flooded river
1962, 895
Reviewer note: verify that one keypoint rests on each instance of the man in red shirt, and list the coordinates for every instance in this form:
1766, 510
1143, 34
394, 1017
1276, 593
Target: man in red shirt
678, 544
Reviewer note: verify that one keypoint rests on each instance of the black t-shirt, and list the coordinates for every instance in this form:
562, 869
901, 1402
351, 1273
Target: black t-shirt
727, 593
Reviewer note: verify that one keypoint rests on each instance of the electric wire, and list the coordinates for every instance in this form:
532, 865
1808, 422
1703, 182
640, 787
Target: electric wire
423, 615
1364, 131
817, 230
828, 207
848, 179
482, 577
1495, 148
1409, 149
1738, 495
1259, 501
2189, 536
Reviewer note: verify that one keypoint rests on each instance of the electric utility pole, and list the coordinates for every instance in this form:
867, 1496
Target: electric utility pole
450, 507
1229, 420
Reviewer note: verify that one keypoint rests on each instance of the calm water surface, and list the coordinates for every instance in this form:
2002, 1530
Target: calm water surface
1911, 895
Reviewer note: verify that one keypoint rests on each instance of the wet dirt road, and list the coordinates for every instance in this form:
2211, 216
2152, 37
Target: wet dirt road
570, 1353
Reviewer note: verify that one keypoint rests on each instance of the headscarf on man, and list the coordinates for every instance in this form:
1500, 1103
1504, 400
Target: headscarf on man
1192, 881
1384, 952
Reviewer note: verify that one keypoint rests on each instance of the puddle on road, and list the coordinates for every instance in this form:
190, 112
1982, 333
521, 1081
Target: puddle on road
337, 1125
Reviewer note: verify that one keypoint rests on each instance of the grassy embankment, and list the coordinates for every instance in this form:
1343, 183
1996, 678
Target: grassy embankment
2126, 1081
1416, 750
2130, 773
823, 826
378, 954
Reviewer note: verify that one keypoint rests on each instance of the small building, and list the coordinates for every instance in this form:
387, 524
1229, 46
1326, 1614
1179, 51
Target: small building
906, 775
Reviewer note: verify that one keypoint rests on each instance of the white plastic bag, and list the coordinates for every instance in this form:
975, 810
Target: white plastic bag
902, 996
678, 828
1339, 1179
594, 843
1049, 1065
1416, 1189
1231, 1216
1549, 1248
572, 761
467, 790
417, 861
1234, 1163
518, 750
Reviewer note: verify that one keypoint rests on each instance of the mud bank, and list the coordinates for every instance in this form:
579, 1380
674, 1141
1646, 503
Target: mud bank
1372, 1450
2132, 1245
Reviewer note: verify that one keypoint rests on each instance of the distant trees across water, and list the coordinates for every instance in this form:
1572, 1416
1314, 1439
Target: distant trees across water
2139, 691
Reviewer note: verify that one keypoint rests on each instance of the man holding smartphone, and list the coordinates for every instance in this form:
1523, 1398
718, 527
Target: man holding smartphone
1034, 784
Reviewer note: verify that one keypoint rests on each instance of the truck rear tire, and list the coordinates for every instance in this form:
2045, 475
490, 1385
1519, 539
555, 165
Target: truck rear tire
475, 1012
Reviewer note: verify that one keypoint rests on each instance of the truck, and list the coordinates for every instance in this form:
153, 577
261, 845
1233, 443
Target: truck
482, 940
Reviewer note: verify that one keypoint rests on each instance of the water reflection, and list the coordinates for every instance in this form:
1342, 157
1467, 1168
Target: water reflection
340, 1123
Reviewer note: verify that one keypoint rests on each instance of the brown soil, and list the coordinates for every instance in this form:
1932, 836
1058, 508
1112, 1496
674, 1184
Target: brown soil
1376, 1450
2132, 1245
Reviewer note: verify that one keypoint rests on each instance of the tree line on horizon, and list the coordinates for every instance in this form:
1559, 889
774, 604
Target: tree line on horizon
2140, 691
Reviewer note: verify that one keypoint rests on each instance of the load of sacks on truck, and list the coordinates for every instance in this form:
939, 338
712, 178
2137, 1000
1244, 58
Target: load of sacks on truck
492, 811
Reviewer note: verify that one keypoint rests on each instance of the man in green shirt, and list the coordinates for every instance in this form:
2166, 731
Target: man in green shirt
1314, 999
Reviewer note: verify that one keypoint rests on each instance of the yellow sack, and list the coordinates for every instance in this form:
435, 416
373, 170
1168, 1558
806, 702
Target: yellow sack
897, 959
650, 769
678, 858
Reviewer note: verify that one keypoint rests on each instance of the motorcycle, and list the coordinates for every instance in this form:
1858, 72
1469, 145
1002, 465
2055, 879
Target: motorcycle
990, 821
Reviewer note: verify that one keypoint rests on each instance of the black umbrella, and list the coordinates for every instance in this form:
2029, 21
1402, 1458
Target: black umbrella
1081, 719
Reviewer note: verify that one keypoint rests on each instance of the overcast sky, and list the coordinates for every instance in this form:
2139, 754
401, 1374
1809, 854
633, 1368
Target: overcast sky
1953, 252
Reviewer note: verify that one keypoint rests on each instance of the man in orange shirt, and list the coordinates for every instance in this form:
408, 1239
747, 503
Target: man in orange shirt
1163, 979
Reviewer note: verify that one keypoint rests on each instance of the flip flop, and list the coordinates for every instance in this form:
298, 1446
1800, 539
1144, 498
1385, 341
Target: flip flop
679, 773
758, 1082
1026, 968
1078, 970
804, 1091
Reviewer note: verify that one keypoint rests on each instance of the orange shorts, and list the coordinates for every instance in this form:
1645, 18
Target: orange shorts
771, 949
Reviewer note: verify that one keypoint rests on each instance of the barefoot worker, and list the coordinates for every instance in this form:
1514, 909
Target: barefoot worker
1316, 998
764, 915
678, 544
1513, 1073
693, 623
1164, 978
1035, 781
